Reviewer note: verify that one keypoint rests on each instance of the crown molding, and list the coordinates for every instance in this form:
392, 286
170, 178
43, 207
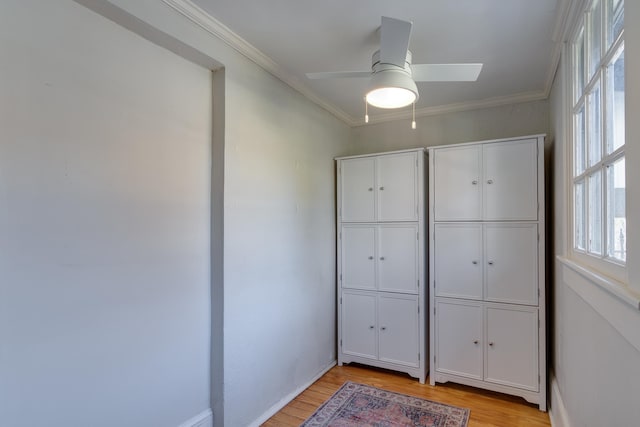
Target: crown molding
568, 10
217, 29
456, 107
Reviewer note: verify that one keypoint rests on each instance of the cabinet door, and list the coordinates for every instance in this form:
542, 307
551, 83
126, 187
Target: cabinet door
459, 333
398, 329
359, 334
357, 193
512, 347
398, 258
397, 187
458, 194
458, 260
358, 256
511, 256
510, 180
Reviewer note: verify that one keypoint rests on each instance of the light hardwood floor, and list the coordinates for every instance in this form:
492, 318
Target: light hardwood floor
487, 408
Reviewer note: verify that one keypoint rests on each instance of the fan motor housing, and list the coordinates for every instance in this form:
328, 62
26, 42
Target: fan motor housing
377, 66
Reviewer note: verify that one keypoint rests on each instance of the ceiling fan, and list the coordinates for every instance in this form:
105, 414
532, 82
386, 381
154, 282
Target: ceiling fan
393, 77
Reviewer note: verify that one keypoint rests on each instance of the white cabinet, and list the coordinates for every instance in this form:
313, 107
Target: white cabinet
381, 266
512, 346
380, 326
496, 181
359, 333
492, 261
381, 257
458, 268
456, 173
487, 342
487, 266
511, 263
459, 338
379, 188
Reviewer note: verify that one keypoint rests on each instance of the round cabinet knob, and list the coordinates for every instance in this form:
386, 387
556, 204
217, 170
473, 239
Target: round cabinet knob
490, 181
370, 257
474, 262
371, 327
381, 258
490, 344
384, 328
475, 342
370, 188
474, 182
490, 263
381, 188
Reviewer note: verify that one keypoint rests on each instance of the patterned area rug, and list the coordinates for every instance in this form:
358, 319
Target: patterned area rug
362, 405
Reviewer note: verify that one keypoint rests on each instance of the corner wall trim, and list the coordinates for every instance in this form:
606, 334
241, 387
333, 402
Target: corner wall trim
203, 419
288, 398
557, 411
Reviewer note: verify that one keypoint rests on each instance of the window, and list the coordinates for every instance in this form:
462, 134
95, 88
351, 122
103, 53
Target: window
597, 55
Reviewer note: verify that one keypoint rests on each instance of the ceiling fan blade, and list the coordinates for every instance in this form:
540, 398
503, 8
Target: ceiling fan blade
394, 41
445, 72
338, 75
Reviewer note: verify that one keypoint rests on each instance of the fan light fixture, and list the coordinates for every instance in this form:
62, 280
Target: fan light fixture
392, 89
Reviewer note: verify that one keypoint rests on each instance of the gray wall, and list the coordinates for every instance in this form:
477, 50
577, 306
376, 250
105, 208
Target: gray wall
105, 146
596, 336
279, 242
274, 330
105, 215
505, 121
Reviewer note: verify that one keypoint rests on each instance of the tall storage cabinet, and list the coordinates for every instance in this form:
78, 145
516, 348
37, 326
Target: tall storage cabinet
487, 266
381, 261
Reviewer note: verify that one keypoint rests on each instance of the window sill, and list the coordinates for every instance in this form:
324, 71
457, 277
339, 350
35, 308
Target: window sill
611, 286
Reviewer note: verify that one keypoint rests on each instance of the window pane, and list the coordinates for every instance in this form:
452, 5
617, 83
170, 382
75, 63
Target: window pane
615, 102
615, 20
618, 20
579, 66
595, 126
579, 141
595, 25
616, 218
579, 224
594, 213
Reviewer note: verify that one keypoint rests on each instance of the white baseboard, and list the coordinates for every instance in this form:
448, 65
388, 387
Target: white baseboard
557, 411
203, 419
288, 398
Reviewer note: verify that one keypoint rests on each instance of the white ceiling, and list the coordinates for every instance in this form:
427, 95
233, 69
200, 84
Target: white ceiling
513, 38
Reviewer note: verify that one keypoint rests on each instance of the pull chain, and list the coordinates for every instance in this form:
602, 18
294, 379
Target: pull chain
413, 122
366, 111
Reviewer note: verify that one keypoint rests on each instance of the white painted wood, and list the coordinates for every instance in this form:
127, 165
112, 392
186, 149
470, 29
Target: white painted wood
203, 419
459, 338
511, 346
511, 303
357, 181
358, 256
397, 258
398, 329
458, 260
359, 331
381, 269
511, 263
510, 180
397, 187
457, 189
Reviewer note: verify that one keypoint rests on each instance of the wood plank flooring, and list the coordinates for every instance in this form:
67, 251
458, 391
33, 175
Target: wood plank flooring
487, 408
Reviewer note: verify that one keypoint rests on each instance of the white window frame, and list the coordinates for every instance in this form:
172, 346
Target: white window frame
614, 268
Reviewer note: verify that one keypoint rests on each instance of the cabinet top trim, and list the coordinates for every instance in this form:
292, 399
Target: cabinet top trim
488, 141
356, 156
